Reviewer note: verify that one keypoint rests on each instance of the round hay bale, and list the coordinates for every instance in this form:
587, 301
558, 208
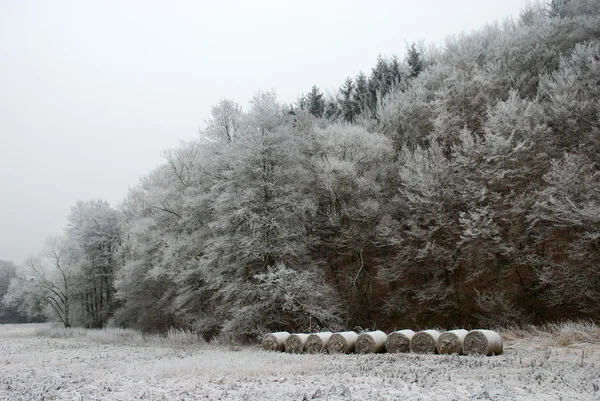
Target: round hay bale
294, 344
371, 342
342, 343
451, 342
399, 341
424, 342
275, 341
482, 342
317, 342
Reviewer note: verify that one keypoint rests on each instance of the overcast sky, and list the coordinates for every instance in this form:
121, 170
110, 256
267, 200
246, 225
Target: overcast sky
92, 92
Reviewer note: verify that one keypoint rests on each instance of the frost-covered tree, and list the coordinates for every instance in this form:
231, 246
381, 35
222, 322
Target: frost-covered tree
48, 283
224, 122
570, 97
414, 59
315, 102
94, 226
165, 220
348, 105
8, 313
350, 170
361, 95
421, 231
566, 220
260, 210
8, 271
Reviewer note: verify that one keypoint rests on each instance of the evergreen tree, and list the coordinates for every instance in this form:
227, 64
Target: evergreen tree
395, 73
332, 110
361, 94
414, 59
349, 107
315, 103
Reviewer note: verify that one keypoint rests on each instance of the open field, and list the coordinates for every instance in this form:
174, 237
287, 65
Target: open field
42, 362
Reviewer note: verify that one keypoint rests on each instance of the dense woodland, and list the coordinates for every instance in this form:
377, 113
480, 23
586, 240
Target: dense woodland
453, 186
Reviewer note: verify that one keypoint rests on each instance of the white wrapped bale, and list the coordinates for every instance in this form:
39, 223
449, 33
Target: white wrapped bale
482, 342
294, 344
371, 342
424, 342
342, 342
451, 342
399, 341
317, 342
275, 341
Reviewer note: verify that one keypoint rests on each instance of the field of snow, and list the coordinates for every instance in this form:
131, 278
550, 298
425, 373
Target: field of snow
43, 362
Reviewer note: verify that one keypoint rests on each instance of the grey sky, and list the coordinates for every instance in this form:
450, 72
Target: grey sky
91, 92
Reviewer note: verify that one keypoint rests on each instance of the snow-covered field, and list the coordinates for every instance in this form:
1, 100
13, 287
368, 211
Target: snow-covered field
42, 362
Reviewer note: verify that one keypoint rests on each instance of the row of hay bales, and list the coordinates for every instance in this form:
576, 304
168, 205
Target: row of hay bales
474, 342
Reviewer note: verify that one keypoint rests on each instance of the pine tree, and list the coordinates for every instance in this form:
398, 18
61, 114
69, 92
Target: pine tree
315, 103
395, 73
414, 59
349, 107
361, 94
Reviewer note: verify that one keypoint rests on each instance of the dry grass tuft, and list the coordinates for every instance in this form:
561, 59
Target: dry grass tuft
562, 334
568, 333
176, 338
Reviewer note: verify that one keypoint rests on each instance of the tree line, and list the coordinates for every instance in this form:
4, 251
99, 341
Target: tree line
458, 186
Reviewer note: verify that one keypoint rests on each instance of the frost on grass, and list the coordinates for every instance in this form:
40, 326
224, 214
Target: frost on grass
78, 366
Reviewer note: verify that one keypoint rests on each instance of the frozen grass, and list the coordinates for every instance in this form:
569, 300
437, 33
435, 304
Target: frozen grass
44, 362
173, 338
561, 334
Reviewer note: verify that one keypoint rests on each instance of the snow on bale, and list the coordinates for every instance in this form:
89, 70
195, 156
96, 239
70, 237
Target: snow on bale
399, 341
482, 342
342, 342
275, 341
371, 342
317, 342
451, 342
424, 342
294, 344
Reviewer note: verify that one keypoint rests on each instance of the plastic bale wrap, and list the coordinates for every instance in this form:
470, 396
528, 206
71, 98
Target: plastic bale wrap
371, 342
451, 342
424, 342
482, 342
275, 341
342, 342
317, 342
399, 341
294, 344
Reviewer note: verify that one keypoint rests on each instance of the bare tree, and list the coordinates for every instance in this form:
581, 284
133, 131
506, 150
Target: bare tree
47, 281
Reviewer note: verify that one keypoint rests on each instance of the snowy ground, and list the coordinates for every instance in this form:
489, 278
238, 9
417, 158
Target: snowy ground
40, 362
